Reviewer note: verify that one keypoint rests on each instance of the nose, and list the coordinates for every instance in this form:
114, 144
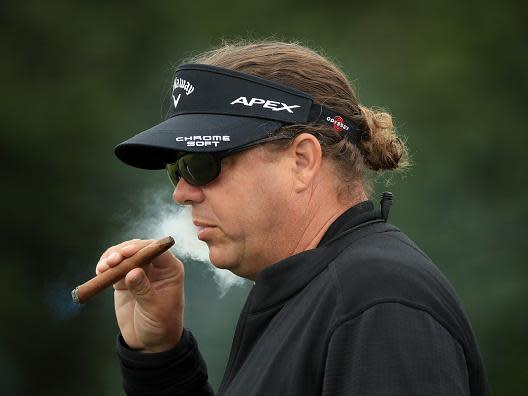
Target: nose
187, 194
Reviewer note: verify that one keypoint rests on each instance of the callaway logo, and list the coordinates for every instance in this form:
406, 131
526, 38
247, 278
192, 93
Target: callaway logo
183, 84
267, 104
338, 123
203, 141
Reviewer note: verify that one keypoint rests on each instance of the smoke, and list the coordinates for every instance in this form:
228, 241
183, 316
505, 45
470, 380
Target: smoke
59, 300
159, 218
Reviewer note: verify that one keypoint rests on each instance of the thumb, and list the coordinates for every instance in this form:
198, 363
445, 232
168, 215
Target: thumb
138, 284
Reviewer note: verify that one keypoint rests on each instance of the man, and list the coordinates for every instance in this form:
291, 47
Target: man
269, 146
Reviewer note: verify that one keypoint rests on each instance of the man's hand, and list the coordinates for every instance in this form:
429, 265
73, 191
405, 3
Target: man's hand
148, 301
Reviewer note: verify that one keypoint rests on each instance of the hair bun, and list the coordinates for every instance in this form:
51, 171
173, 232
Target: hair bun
380, 146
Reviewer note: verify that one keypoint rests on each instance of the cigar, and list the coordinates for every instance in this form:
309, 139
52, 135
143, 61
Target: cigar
84, 292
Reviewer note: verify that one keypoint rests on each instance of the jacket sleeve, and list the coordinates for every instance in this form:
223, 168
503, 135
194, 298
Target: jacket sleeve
179, 371
394, 349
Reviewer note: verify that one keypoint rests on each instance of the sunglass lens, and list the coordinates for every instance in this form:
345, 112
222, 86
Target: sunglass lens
174, 175
198, 169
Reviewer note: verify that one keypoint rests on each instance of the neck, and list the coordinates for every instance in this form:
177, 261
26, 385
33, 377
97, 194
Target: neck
318, 220
313, 216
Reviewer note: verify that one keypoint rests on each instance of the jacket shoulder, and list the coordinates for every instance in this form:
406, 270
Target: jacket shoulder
388, 266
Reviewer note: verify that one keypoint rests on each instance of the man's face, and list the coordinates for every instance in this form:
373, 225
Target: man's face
244, 213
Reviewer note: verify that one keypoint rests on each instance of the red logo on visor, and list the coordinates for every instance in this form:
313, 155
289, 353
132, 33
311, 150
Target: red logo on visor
338, 122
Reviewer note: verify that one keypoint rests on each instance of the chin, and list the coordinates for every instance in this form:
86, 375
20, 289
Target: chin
222, 260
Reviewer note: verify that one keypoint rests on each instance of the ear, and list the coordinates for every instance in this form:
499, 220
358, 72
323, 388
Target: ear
307, 155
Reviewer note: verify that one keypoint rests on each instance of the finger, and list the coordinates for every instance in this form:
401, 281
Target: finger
114, 259
124, 252
120, 285
114, 248
130, 250
101, 267
139, 285
122, 249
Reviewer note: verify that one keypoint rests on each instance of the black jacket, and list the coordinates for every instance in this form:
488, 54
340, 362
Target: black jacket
365, 313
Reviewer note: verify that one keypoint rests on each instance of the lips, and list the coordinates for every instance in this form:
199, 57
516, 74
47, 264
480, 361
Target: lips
204, 228
202, 224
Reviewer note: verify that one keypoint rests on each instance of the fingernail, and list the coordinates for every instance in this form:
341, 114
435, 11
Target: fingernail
100, 265
113, 256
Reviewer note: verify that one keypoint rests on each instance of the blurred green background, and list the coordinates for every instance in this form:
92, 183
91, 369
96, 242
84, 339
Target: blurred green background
79, 77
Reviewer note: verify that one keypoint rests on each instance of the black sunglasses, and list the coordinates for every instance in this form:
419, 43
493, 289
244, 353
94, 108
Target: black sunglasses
198, 169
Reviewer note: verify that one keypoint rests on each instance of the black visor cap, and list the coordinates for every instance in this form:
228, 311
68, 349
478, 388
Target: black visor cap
215, 109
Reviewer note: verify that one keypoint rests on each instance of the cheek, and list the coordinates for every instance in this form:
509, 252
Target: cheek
233, 202
253, 196
252, 213
248, 205
265, 202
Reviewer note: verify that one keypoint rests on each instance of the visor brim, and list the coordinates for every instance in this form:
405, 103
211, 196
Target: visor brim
159, 145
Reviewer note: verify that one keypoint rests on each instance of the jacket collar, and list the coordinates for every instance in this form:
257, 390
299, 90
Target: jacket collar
277, 283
